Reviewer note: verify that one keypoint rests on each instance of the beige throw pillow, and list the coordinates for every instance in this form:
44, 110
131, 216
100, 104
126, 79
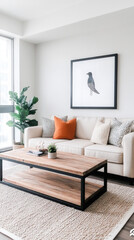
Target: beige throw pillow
101, 133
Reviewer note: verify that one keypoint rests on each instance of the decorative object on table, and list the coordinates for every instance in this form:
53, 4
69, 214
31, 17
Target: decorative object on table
48, 126
118, 131
43, 150
23, 110
94, 82
64, 130
38, 153
52, 151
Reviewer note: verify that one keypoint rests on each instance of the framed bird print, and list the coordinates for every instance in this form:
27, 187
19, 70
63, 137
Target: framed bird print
94, 82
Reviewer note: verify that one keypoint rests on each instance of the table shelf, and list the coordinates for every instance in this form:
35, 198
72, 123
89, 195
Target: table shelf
59, 186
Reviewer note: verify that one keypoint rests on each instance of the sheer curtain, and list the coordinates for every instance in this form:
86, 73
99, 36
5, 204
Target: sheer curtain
6, 84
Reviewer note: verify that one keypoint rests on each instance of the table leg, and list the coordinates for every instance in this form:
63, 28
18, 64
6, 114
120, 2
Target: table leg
105, 176
1, 169
83, 193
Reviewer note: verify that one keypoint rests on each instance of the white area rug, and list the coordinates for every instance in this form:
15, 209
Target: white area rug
34, 218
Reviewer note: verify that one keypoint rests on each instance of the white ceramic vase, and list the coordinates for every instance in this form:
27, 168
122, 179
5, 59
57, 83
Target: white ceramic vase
52, 155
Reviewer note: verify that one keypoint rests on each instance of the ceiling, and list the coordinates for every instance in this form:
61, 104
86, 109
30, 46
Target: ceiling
116, 20
25, 10
43, 20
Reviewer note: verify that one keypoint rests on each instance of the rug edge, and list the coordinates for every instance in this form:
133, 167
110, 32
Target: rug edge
120, 225
11, 235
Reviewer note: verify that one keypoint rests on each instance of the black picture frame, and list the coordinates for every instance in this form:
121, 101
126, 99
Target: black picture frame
103, 91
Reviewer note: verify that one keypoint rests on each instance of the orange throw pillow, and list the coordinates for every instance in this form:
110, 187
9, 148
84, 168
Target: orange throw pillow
64, 130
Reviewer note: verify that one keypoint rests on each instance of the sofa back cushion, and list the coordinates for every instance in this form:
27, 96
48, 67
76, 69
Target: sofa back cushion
126, 120
85, 127
49, 127
121, 120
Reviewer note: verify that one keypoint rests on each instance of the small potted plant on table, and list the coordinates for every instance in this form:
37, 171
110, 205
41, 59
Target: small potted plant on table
52, 151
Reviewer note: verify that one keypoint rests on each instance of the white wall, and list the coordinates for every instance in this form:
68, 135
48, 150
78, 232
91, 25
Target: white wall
24, 70
10, 26
52, 84
27, 66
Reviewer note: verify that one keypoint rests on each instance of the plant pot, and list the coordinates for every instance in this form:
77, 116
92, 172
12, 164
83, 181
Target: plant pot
52, 155
17, 145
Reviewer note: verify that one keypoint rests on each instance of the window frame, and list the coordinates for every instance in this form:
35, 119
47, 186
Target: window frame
9, 108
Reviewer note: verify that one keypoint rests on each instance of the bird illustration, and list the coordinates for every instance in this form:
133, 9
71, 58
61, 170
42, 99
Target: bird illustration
91, 84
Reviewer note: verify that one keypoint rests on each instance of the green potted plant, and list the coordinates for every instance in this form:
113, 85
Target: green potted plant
23, 109
52, 151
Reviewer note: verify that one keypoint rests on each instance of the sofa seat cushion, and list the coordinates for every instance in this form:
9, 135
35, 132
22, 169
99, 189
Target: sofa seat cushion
73, 146
109, 152
43, 142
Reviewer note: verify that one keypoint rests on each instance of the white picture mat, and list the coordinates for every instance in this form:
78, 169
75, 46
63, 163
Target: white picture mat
103, 73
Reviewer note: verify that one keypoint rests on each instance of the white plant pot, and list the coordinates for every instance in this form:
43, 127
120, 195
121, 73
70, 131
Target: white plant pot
52, 155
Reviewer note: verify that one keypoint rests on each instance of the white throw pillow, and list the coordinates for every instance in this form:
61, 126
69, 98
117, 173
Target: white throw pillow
101, 133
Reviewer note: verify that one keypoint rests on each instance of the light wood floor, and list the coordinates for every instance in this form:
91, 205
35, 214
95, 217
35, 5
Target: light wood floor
124, 234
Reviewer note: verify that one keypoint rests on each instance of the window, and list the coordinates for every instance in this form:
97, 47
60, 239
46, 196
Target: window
6, 84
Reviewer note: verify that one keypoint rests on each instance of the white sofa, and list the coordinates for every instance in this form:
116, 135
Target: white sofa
120, 159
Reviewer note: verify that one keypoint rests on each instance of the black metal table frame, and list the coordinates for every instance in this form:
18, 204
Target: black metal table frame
84, 203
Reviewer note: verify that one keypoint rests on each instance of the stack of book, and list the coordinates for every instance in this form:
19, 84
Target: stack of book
38, 152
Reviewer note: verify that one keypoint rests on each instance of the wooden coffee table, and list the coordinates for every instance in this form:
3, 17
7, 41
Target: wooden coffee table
62, 179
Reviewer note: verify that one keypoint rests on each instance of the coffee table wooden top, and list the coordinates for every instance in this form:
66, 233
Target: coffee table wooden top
66, 162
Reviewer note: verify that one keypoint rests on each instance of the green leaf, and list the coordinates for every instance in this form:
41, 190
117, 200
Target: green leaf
20, 100
52, 148
17, 125
27, 119
23, 114
32, 122
14, 124
33, 101
26, 125
33, 111
10, 123
24, 100
13, 96
20, 126
18, 108
25, 106
24, 90
15, 116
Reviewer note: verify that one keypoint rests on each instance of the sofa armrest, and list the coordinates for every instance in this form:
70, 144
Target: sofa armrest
32, 132
128, 147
